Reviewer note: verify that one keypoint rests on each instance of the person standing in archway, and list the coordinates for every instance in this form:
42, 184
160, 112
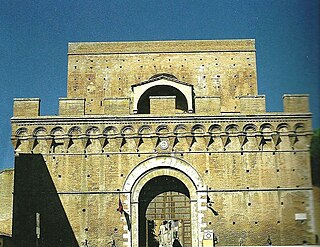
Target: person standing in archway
162, 234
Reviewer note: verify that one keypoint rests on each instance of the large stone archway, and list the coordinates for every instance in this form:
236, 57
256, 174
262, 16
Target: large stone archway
163, 166
164, 199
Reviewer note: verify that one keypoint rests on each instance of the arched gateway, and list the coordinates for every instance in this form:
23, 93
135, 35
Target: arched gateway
163, 176
132, 109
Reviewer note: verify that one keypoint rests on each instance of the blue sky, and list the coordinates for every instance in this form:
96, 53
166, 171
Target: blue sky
34, 37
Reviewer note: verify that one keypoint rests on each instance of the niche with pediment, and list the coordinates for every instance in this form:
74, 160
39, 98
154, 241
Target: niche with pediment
162, 94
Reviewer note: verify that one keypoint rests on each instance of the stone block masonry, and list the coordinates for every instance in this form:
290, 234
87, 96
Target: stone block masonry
166, 130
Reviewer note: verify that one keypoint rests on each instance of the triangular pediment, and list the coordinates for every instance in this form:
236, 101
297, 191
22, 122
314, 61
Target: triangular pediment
164, 78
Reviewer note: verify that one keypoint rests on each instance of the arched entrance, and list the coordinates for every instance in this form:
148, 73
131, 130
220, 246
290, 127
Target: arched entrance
187, 181
162, 90
164, 213
162, 85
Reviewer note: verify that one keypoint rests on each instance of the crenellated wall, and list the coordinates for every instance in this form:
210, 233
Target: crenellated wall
296, 103
260, 165
26, 107
224, 68
188, 110
204, 106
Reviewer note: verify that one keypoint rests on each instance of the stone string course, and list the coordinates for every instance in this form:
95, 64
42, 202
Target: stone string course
204, 125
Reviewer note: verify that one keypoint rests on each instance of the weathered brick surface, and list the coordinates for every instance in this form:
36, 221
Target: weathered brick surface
253, 165
296, 103
208, 105
26, 107
118, 106
6, 198
220, 68
71, 107
162, 105
252, 104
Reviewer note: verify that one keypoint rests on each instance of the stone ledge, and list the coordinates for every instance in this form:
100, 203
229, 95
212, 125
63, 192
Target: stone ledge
161, 46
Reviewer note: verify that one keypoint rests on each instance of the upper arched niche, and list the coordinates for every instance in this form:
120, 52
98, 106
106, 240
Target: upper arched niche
162, 85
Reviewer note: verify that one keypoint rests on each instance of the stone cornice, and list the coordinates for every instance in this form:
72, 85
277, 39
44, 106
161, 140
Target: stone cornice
173, 46
95, 119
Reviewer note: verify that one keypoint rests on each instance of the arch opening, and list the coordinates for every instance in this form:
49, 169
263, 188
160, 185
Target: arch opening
162, 90
164, 212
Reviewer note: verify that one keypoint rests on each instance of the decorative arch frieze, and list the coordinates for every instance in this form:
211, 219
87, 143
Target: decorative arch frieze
250, 128
144, 130
127, 130
57, 131
21, 132
299, 127
92, 131
180, 129
162, 129
283, 127
232, 128
75, 131
21, 135
266, 128
198, 129
180, 137
39, 132
110, 131
215, 128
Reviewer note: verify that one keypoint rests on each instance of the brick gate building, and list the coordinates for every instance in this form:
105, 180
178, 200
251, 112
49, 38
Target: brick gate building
167, 131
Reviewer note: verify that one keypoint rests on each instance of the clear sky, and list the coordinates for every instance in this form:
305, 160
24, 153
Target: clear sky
34, 37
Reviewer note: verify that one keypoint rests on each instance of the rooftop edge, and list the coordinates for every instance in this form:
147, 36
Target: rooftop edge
161, 46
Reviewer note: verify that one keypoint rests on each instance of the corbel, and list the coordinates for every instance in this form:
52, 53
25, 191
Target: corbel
209, 140
276, 139
55, 141
86, 142
191, 141
138, 141
16, 142
260, 140
103, 141
157, 142
34, 143
175, 141
123, 142
225, 139
293, 139
68, 143
242, 137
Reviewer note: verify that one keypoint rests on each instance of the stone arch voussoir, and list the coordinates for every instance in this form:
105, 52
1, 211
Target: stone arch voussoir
163, 165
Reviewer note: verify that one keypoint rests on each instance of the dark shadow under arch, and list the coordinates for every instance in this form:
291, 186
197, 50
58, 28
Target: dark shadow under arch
162, 90
149, 191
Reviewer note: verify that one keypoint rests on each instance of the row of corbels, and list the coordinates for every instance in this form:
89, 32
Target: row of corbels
173, 140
